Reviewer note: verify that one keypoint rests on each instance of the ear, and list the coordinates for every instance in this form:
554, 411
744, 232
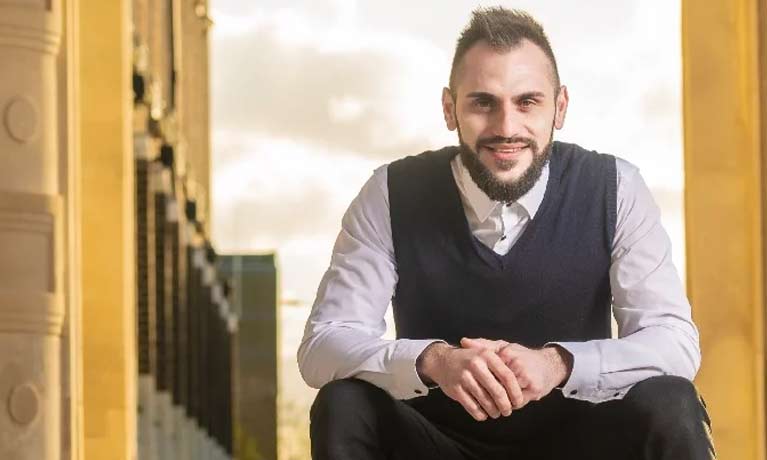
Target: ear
448, 109
561, 107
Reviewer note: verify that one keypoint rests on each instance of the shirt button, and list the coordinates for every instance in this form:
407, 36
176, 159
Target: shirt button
418, 392
574, 392
503, 237
617, 394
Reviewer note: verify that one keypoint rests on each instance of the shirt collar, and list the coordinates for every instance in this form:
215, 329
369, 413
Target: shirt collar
482, 205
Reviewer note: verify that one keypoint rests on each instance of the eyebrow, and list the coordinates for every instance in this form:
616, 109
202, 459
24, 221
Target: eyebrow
479, 94
517, 98
530, 95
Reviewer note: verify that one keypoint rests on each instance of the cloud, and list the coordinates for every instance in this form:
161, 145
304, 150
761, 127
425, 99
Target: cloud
330, 85
273, 194
310, 96
274, 190
365, 76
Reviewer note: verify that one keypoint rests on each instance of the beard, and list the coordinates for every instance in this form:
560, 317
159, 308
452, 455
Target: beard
511, 190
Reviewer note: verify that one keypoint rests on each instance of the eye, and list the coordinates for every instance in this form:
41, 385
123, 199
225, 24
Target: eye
483, 103
527, 103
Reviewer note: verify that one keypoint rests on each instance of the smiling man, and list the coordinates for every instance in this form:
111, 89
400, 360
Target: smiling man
503, 259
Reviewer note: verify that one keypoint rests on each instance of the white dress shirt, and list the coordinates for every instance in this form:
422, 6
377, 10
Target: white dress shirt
656, 335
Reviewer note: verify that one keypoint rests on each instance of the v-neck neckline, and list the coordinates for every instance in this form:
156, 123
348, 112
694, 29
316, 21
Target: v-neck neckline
467, 236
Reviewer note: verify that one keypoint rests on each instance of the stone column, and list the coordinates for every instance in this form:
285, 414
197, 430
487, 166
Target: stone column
31, 221
725, 122
110, 371
193, 105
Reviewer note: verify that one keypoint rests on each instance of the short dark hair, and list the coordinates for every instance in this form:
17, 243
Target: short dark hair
503, 29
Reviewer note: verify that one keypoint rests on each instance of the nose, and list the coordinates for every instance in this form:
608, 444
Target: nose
507, 121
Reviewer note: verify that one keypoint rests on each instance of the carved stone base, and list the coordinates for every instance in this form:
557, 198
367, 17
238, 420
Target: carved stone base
29, 397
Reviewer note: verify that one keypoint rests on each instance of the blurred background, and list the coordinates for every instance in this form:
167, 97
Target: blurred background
308, 97
174, 172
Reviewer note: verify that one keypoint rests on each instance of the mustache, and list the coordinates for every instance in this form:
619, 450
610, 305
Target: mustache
508, 140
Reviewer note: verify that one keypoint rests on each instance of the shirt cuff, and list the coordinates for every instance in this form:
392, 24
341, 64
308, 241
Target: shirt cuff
408, 383
584, 378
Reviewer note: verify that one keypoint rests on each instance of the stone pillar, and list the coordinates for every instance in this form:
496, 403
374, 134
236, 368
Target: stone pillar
725, 89
31, 226
69, 165
146, 292
108, 230
193, 101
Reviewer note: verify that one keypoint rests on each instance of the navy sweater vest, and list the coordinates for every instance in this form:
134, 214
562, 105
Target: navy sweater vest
553, 285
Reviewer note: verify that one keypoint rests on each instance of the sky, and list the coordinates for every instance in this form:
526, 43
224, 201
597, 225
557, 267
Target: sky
310, 96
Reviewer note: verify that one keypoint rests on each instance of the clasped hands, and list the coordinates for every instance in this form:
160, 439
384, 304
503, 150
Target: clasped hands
494, 377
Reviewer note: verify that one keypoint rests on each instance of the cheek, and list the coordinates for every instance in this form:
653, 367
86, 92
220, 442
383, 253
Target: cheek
470, 129
478, 126
544, 125
540, 131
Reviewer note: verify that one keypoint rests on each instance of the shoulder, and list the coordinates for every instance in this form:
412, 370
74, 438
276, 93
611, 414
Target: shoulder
575, 164
624, 169
376, 189
416, 172
422, 160
627, 172
377, 181
570, 153
371, 200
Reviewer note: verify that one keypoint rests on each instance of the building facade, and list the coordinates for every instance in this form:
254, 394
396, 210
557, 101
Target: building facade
254, 299
116, 333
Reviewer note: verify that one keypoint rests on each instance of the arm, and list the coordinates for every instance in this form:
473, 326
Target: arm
343, 334
656, 332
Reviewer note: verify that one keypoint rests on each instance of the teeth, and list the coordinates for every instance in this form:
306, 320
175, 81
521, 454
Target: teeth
500, 150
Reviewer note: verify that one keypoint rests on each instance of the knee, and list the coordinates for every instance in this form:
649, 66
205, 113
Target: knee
345, 400
347, 420
669, 405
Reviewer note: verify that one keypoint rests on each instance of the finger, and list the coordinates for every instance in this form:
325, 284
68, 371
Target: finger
509, 353
494, 345
470, 404
517, 363
509, 382
479, 393
497, 391
524, 372
490, 383
467, 342
520, 374
531, 395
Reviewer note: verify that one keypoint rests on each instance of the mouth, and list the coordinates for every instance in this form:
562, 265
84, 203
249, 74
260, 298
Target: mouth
505, 151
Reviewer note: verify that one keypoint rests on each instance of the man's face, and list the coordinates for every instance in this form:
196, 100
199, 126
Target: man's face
505, 109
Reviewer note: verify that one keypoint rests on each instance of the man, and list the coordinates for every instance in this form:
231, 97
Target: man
502, 258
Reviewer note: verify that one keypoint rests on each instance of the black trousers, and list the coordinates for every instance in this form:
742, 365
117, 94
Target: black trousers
661, 418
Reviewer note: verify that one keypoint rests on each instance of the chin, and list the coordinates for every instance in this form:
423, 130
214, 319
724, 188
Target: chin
509, 174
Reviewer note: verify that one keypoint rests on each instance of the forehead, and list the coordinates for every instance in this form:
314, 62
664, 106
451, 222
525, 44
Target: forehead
523, 68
